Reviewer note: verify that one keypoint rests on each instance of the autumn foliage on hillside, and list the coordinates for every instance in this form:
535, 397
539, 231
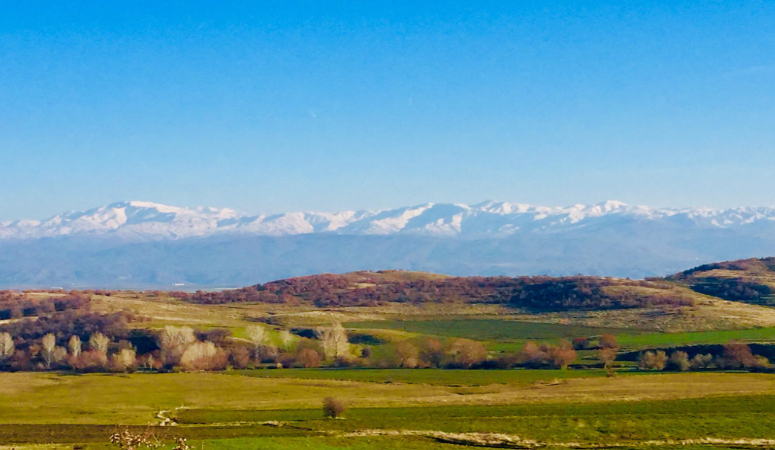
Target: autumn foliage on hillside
378, 288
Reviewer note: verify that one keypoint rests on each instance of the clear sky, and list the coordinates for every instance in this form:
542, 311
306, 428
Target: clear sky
278, 106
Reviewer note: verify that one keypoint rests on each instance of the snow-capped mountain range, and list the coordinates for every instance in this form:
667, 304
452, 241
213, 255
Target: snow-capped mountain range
144, 220
141, 244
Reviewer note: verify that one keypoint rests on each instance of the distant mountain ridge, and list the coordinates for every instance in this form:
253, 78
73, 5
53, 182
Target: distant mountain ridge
141, 220
148, 245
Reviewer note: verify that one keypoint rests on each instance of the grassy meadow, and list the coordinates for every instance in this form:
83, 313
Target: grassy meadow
405, 409
267, 408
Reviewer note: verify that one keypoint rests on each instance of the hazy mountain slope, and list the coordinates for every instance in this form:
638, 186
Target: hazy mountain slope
136, 244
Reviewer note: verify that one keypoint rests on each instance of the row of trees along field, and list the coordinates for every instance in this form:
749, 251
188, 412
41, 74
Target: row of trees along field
736, 355
183, 348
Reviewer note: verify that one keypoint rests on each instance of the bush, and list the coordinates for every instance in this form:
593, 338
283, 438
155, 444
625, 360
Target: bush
581, 343
333, 407
308, 358
608, 341
679, 361
653, 360
607, 356
702, 361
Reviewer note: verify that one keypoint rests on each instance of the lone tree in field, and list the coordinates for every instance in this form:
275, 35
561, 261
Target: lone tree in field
333, 408
6, 347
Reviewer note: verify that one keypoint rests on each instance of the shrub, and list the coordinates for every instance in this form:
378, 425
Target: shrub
465, 352
308, 358
561, 355
701, 361
653, 360
607, 356
333, 407
239, 357
608, 341
581, 343
679, 361
738, 355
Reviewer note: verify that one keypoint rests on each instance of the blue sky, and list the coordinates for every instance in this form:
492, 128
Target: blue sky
268, 107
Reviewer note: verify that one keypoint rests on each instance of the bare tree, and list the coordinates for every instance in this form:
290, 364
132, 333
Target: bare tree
561, 355
308, 358
653, 360
173, 341
702, 361
679, 361
286, 340
408, 354
257, 336
334, 341
99, 342
6, 347
75, 346
466, 352
607, 355
202, 356
608, 341
48, 344
125, 360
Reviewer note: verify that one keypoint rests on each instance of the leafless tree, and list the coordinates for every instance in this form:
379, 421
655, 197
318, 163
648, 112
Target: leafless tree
7, 347
408, 355
173, 341
48, 344
99, 342
257, 337
334, 341
75, 346
653, 360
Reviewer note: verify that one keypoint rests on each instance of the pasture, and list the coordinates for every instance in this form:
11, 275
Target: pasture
422, 409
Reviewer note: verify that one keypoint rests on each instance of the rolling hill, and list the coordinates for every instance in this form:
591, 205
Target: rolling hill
675, 303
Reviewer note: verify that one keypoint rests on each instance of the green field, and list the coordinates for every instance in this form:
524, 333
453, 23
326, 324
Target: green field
428, 376
637, 341
414, 409
739, 417
487, 329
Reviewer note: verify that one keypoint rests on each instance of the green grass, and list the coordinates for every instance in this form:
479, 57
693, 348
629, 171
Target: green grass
426, 376
326, 443
637, 341
488, 329
723, 417
225, 410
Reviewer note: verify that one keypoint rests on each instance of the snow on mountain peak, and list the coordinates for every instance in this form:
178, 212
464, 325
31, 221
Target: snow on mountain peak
142, 219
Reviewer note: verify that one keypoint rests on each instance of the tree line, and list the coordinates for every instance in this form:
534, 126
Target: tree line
539, 293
